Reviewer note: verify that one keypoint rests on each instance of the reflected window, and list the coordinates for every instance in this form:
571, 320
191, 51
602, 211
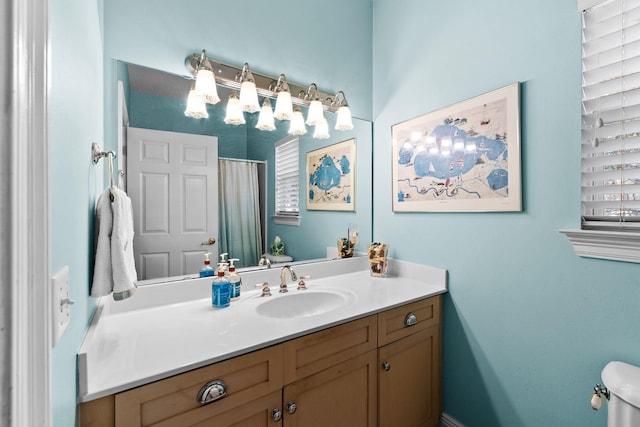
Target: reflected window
287, 184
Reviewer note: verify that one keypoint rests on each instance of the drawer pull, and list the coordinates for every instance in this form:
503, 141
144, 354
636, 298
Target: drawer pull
291, 407
386, 366
212, 391
410, 320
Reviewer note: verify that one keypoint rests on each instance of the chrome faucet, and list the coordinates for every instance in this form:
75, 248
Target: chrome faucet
283, 279
265, 261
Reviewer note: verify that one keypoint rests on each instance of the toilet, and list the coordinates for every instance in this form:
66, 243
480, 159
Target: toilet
623, 382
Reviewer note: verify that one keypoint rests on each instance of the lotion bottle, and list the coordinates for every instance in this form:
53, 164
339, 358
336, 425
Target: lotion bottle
207, 270
220, 290
234, 280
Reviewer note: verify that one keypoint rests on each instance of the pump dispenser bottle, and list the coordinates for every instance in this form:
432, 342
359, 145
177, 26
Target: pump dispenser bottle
234, 280
220, 289
207, 270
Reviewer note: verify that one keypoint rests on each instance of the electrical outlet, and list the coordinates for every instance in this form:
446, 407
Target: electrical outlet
61, 309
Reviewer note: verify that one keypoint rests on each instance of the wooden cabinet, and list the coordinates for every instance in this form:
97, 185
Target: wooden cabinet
377, 370
330, 377
409, 380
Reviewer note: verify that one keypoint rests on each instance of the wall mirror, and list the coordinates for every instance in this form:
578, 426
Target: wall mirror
155, 101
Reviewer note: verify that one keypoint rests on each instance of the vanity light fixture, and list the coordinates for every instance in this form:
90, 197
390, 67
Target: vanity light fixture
251, 85
205, 80
234, 114
265, 119
248, 91
196, 106
297, 126
284, 107
322, 128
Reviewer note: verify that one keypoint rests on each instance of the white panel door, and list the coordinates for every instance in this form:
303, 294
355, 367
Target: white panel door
173, 184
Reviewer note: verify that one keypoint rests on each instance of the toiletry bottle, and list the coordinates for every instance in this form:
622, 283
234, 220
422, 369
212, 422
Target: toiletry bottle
234, 280
207, 270
220, 290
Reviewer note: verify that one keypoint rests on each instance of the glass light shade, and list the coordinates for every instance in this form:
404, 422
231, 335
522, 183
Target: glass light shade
265, 119
322, 129
196, 107
249, 97
314, 115
471, 147
343, 120
234, 114
206, 85
284, 107
297, 126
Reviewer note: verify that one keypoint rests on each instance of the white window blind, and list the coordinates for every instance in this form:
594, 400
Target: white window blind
611, 116
287, 178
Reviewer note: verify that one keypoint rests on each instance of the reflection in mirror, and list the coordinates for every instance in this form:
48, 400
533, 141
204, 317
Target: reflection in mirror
155, 102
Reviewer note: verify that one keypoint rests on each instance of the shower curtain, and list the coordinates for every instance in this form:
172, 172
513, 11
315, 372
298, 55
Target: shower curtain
239, 199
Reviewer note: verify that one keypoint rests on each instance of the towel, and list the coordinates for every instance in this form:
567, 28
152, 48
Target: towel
114, 268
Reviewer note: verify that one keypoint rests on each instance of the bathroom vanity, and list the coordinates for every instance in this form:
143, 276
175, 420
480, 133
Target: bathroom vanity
370, 356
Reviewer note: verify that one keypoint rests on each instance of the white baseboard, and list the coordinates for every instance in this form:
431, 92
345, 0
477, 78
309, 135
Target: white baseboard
449, 421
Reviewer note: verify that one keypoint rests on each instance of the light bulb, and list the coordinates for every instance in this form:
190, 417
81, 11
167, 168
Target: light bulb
297, 126
343, 121
265, 120
284, 107
196, 107
234, 114
314, 115
249, 97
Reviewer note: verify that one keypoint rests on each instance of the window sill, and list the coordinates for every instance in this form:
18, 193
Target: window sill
287, 220
612, 245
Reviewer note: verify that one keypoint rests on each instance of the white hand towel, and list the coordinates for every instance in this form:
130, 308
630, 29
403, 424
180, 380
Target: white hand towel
114, 268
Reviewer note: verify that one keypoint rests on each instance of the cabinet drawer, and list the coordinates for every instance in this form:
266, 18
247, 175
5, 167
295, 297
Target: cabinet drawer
174, 401
313, 353
392, 323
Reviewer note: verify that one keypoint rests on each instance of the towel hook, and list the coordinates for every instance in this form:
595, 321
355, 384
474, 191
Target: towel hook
97, 154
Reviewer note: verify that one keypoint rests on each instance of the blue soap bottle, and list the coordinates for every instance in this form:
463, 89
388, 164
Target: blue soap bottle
207, 270
220, 290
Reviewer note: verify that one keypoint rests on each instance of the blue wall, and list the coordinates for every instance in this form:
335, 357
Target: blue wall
76, 120
528, 325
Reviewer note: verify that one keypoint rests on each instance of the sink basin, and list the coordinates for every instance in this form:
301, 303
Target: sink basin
307, 303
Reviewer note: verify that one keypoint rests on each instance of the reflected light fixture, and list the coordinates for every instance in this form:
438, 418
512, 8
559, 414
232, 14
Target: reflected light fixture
196, 106
234, 114
297, 126
206, 81
458, 144
314, 115
248, 92
284, 107
322, 128
445, 146
265, 119
343, 120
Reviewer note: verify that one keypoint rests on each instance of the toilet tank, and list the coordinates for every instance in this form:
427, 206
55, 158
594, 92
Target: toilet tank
623, 382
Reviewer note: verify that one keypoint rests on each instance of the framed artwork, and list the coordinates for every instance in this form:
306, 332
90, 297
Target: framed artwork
461, 158
331, 175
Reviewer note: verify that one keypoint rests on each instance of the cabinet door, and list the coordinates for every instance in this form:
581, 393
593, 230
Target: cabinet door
343, 395
409, 380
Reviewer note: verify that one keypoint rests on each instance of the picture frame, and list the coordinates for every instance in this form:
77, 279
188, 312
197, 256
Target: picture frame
331, 173
460, 158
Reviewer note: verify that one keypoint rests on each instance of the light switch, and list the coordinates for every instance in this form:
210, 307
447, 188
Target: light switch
61, 309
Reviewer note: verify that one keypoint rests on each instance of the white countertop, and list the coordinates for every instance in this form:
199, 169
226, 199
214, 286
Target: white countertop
171, 328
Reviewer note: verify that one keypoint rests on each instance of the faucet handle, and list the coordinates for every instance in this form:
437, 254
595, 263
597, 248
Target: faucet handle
301, 284
266, 291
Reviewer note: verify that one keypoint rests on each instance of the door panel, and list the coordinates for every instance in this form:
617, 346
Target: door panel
173, 184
